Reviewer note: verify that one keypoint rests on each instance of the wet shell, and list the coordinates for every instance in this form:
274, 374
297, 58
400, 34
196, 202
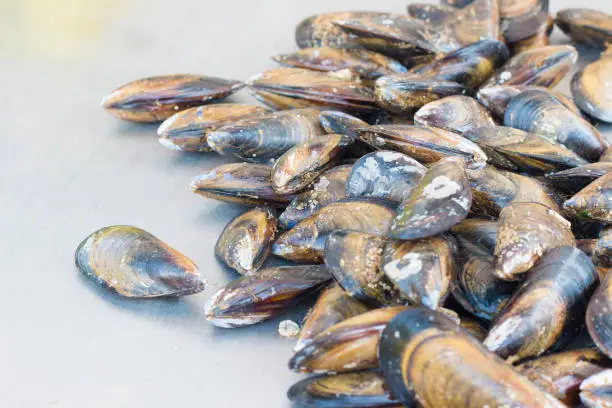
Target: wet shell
251, 299
348, 390
134, 263
302, 164
305, 241
333, 306
427, 359
329, 188
245, 242
475, 22
602, 252
537, 40
529, 189
526, 230
157, 98
344, 124
548, 307
574, 180
347, 346
522, 18
188, 130
266, 137
422, 270
598, 317
384, 174
590, 88
590, 27
476, 235
430, 13
442, 199
596, 391
594, 202
242, 183
544, 66
454, 113
285, 88
539, 112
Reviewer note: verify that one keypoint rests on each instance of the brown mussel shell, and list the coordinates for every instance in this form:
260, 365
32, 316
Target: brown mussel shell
574, 180
522, 18
590, 27
475, 22
548, 308
246, 241
602, 251
606, 157
428, 360
476, 235
454, 113
430, 13
157, 98
596, 391
591, 89
594, 202
242, 183
538, 40
254, 298
441, 199
598, 317
134, 263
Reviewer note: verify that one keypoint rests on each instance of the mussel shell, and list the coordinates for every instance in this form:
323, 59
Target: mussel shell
345, 124
590, 87
349, 390
548, 308
266, 137
476, 235
594, 202
531, 189
441, 199
384, 174
427, 359
522, 18
596, 391
188, 130
134, 263
157, 98
305, 241
430, 13
297, 168
538, 40
602, 252
574, 180
478, 21
246, 241
591, 27
348, 346
454, 113
606, 157
598, 317
526, 230
242, 183
254, 298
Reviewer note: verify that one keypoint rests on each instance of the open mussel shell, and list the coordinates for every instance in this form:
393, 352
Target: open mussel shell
539, 112
305, 241
422, 353
594, 202
596, 391
134, 263
548, 308
590, 27
598, 317
544, 66
349, 390
254, 298
261, 138
348, 346
297, 168
590, 87
441, 199
366, 64
560, 374
384, 174
242, 183
454, 113
422, 270
526, 230
328, 188
334, 305
476, 235
285, 88
423, 143
188, 130
157, 98
517, 150
245, 242
602, 251
574, 180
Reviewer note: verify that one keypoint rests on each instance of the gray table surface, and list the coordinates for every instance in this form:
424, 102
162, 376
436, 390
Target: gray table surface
68, 168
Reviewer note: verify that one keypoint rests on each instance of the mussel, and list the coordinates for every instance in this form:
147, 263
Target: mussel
602, 251
538, 40
477, 21
594, 202
134, 263
591, 88
455, 113
596, 391
590, 27
577, 178
476, 235
522, 18
598, 317
430, 13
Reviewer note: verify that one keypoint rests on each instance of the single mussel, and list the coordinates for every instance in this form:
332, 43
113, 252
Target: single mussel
594, 202
348, 346
476, 235
539, 112
596, 391
598, 317
428, 360
328, 188
265, 137
526, 230
348, 390
157, 98
285, 88
548, 308
590, 87
590, 27
305, 241
254, 298
245, 242
454, 113
384, 174
602, 251
522, 19
134, 263
297, 168
574, 180
538, 40
477, 21
242, 183
441, 199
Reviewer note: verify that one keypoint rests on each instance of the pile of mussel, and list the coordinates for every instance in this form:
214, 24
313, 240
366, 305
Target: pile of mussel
421, 175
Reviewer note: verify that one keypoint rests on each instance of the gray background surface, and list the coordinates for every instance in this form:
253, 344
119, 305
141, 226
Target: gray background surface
68, 168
